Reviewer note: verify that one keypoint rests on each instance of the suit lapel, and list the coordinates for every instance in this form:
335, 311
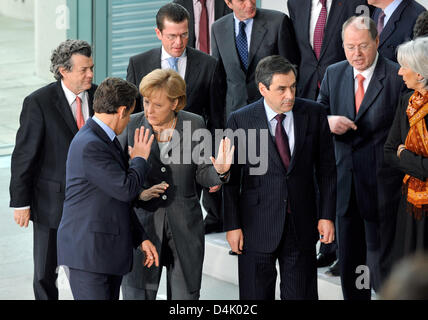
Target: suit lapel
260, 121
189, 7
192, 70
336, 11
348, 85
300, 125
91, 93
154, 151
257, 36
154, 61
64, 109
305, 21
374, 88
227, 37
390, 26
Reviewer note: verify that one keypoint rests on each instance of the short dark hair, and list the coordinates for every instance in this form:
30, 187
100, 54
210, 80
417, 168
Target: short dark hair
270, 66
61, 56
421, 25
113, 93
173, 12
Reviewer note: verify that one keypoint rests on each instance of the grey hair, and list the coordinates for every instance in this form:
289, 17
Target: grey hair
364, 22
61, 56
271, 65
414, 54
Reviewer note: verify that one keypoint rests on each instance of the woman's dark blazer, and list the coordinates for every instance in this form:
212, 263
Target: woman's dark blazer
409, 162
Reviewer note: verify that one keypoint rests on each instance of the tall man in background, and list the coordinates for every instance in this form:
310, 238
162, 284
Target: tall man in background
50, 118
319, 24
240, 40
395, 20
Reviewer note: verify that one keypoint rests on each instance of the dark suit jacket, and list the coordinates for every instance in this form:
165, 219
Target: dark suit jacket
220, 10
47, 127
179, 204
272, 33
311, 70
257, 204
98, 224
205, 91
359, 154
399, 28
409, 163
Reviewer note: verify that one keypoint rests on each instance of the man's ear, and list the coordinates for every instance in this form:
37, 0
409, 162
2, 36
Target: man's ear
158, 34
228, 3
62, 71
122, 112
262, 89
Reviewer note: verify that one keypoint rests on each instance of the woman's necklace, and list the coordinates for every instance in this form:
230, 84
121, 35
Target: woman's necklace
170, 132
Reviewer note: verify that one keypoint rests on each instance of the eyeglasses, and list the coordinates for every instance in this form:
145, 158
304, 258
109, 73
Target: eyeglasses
172, 37
361, 47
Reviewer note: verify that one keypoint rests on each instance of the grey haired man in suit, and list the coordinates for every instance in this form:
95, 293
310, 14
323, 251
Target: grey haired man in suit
241, 39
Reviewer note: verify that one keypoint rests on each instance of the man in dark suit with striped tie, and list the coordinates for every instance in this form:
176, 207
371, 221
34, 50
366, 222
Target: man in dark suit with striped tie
272, 216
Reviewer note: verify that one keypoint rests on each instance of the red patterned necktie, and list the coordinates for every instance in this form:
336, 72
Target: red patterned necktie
204, 40
319, 29
359, 95
80, 120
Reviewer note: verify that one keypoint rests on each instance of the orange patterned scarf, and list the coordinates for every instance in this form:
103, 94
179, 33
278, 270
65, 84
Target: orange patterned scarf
417, 142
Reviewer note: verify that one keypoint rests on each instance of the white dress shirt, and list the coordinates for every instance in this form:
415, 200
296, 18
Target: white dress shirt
288, 124
367, 74
197, 9
181, 64
315, 12
71, 98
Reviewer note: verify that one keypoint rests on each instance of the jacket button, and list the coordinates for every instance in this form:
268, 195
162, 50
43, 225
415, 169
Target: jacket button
164, 197
163, 169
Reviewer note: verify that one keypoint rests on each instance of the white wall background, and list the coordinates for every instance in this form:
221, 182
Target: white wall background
20, 9
50, 29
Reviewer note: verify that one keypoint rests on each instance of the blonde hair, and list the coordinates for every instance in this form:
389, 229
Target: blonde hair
170, 81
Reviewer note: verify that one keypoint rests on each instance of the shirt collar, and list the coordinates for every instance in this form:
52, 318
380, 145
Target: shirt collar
69, 95
270, 114
109, 131
165, 55
369, 71
237, 21
389, 10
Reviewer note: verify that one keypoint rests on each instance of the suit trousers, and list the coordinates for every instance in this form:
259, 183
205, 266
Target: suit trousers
94, 286
176, 282
297, 266
213, 207
45, 262
359, 245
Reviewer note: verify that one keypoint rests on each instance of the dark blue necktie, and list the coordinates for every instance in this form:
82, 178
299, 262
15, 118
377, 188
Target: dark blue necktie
242, 45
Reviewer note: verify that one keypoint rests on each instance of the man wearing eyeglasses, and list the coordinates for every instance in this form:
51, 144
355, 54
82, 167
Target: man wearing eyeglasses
205, 93
361, 95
